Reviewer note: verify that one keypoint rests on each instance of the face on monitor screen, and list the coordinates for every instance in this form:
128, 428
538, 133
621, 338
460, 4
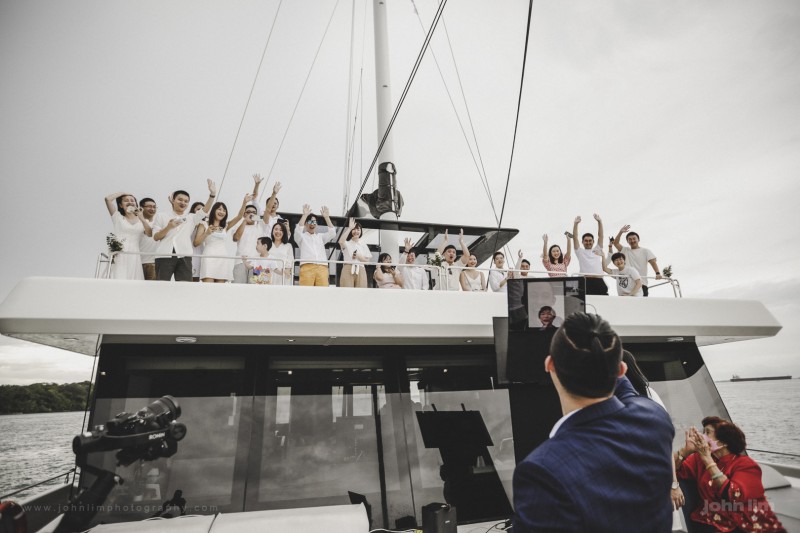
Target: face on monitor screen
536, 309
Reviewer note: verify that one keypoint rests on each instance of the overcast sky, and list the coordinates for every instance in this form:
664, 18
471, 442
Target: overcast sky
680, 118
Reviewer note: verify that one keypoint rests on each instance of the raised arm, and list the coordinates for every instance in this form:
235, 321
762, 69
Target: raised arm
545, 256
443, 244
464, 247
599, 229
407, 245
575, 240
212, 193
326, 214
271, 201
258, 180
247, 198
111, 201
603, 261
306, 212
617, 243
237, 236
351, 223
568, 255
518, 266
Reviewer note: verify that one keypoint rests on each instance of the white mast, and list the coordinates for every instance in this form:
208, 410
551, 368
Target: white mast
383, 95
383, 89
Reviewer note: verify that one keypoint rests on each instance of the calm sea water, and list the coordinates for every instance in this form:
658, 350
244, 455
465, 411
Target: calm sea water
37, 447
767, 412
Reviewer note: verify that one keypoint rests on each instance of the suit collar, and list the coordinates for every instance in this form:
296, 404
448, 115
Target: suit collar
592, 412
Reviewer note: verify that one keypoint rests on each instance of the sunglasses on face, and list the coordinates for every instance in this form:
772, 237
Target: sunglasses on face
312, 221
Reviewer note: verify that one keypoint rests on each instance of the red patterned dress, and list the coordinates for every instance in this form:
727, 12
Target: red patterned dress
739, 503
556, 269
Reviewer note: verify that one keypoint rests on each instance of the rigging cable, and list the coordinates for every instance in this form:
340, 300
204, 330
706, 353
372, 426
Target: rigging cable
346, 184
249, 97
302, 91
351, 140
479, 167
516, 120
414, 70
469, 119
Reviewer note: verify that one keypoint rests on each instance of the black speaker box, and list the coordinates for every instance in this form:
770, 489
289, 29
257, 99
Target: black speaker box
438, 518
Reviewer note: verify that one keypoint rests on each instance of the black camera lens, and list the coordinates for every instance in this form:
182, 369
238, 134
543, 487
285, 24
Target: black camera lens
163, 411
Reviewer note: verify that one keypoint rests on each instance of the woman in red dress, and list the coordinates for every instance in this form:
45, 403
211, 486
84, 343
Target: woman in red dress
728, 482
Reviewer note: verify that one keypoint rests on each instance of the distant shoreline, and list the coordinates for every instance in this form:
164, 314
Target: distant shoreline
44, 398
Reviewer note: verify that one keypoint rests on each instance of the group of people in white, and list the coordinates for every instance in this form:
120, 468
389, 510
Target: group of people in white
191, 243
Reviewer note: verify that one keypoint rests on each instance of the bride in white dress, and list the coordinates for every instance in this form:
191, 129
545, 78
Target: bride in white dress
215, 235
129, 225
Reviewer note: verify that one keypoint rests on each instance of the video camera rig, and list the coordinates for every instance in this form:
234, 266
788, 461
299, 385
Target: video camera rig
150, 433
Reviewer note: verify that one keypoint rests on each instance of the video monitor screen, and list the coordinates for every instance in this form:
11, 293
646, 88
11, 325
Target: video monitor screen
536, 309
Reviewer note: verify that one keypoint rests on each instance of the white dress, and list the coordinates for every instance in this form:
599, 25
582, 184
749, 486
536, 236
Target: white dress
475, 283
216, 267
127, 266
284, 254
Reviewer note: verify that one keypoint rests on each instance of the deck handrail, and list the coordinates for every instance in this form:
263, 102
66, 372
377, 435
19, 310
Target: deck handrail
517, 273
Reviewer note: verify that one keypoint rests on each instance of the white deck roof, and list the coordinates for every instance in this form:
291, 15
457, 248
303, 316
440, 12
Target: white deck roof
72, 313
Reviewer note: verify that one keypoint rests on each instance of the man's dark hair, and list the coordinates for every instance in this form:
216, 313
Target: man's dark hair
448, 247
266, 241
587, 235
546, 308
618, 255
179, 191
586, 354
143, 200
525, 262
498, 253
632, 233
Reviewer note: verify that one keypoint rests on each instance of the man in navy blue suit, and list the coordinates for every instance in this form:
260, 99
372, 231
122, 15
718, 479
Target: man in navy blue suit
606, 466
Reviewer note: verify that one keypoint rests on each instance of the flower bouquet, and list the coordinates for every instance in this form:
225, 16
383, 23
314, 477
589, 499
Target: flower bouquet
114, 245
436, 260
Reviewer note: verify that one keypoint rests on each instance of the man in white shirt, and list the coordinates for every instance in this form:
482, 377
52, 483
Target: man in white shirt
173, 233
147, 246
448, 253
590, 257
313, 259
246, 239
414, 277
498, 276
636, 256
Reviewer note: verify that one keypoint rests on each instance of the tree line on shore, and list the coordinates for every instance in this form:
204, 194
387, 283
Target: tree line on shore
43, 397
